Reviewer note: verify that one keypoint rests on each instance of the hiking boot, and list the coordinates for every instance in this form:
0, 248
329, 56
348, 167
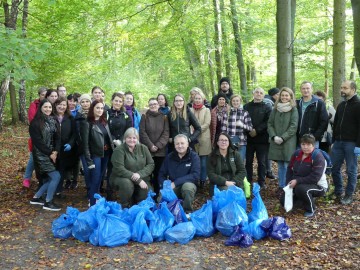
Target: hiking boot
270, 175
51, 206
26, 183
73, 185
68, 184
348, 199
309, 214
37, 201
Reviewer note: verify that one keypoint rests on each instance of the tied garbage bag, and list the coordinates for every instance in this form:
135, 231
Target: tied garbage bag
181, 233
85, 224
238, 195
202, 220
163, 221
258, 208
167, 193
247, 188
112, 231
276, 228
140, 231
94, 238
230, 216
239, 238
149, 201
256, 231
177, 210
114, 208
62, 226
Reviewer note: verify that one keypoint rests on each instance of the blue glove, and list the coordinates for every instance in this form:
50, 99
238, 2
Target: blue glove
67, 147
357, 151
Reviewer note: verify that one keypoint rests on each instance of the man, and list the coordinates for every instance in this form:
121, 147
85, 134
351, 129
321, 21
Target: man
225, 89
347, 141
61, 89
258, 138
182, 168
313, 117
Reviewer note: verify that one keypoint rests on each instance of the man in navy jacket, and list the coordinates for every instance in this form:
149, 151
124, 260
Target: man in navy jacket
182, 168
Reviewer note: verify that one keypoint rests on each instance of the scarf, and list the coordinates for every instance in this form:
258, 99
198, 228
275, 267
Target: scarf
283, 107
129, 110
164, 110
197, 107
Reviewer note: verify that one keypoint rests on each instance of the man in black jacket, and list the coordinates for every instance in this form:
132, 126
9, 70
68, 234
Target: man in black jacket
225, 88
313, 117
258, 138
347, 141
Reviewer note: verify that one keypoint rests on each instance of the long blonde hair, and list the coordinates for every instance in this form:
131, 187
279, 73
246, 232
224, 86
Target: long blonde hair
292, 96
183, 112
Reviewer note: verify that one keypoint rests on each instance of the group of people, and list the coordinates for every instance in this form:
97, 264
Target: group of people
188, 143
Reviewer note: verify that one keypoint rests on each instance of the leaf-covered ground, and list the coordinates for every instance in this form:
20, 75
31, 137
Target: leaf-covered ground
328, 241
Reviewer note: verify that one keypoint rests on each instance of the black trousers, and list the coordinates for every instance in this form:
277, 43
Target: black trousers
261, 151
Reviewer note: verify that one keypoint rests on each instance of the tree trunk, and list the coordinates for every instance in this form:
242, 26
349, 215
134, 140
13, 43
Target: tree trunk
225, 41
338, 48
13, 104
210, 64
218, 39
238, 49
284, 44
326, 70
353, 69
355, 4
4, 88
293, 15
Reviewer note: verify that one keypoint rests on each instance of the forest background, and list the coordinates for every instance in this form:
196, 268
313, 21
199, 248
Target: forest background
170, 46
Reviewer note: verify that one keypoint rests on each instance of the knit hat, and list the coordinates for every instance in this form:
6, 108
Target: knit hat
273, 91
224, 79
84, 96
221, 95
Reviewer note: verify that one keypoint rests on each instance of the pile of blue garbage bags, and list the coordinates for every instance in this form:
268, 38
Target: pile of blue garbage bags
107, 224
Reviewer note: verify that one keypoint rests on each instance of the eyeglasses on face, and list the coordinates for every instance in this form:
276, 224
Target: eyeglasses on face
179, 100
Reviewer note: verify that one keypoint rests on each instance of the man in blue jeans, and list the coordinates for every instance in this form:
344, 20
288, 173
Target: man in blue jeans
347, 141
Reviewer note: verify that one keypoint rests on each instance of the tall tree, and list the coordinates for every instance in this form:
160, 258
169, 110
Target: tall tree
338, 48
355, 4
218, 39
238, 49
225, 40
284, 43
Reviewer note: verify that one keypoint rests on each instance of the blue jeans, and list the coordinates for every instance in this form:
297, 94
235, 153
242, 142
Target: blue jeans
29, 167
341, 151
203, 161
241, 148
49, 186
97, 174
282, 168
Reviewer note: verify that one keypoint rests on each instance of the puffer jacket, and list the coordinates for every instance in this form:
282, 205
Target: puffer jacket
181, 126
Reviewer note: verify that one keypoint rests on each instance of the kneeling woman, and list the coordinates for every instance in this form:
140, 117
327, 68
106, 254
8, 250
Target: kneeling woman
306, 174
132, 167
225, 166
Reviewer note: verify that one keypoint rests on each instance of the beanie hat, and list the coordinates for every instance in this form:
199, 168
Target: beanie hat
273, 91
224, 79
84, 96
221, 95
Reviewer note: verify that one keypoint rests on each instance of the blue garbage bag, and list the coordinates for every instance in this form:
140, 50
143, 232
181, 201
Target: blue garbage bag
140, 231
202, 220
94, 237
177, 210
220, 200
114, 208
239, 238
164, 220
276, 228
167, 193
237, 194
113, 231
85, 224
230, 216
181, 233
62, 226
256, 231
149, 201
258, 207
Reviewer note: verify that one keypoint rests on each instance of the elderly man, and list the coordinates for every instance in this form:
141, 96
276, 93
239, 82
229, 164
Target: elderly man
347, 141
182, 168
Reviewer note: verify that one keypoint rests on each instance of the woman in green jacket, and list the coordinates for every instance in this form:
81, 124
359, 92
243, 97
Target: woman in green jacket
132, 167
225, 166
282, 126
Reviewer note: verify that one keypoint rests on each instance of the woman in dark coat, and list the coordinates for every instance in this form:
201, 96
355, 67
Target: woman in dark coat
46, 146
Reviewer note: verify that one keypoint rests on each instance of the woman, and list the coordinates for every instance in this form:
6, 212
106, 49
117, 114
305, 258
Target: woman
51, 95
282, 127
131, 110
119, 121
225, 166
97, 150
238, 125
180, 120
219, 116
132, 167
193, 92
67, 158
154, 133
163, 104
306, 174
99, 95
203, 148
46, 146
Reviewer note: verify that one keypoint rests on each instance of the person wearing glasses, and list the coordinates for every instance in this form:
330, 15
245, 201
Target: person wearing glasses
154, 133
225, 167
180, 120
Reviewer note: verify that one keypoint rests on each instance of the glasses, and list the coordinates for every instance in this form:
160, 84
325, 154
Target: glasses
179, 100
153, 104
223, 140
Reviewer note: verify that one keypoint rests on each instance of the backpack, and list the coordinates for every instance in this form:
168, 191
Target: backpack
326, 156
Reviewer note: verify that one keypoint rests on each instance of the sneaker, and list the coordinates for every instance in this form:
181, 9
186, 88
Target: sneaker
348, 199
74, 185
309, 214
270, 175
37, 201
51, 206
67, 185
26, 183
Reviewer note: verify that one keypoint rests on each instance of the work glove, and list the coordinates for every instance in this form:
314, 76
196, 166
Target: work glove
91, 167
117, 142
278, 140
67, 147
240, 124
